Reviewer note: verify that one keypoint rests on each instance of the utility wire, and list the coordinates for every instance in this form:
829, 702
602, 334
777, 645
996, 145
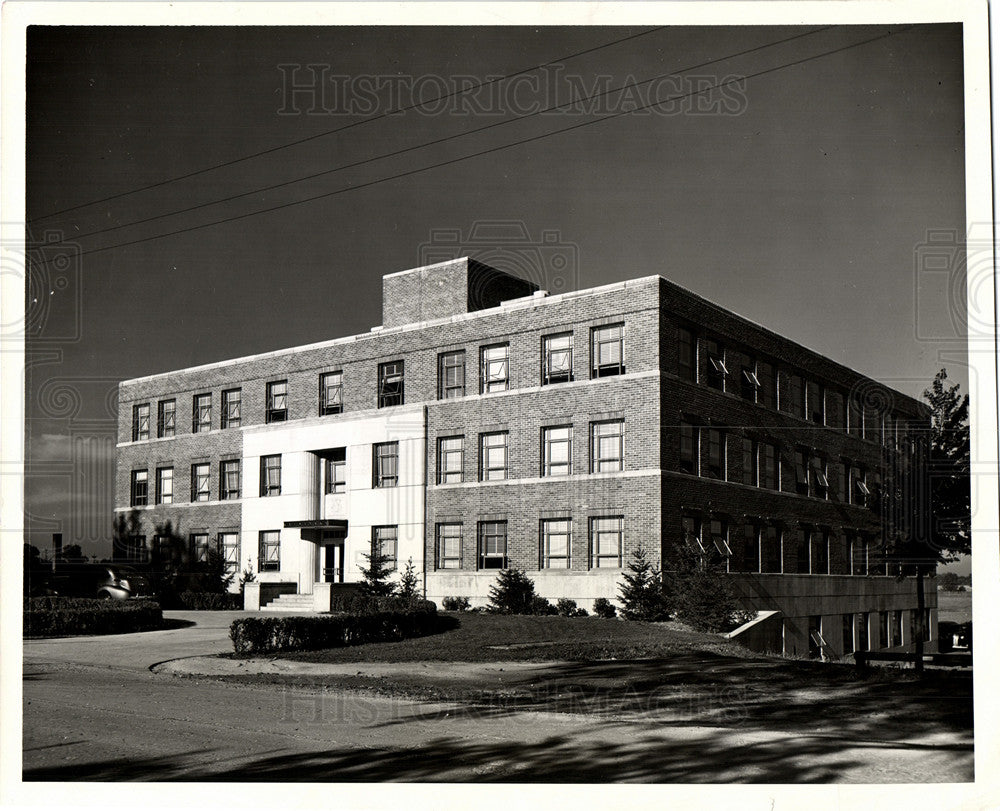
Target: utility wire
444, 139
353, 124
491, 150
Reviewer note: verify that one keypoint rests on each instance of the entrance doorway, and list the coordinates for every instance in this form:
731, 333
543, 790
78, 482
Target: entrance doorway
333, 559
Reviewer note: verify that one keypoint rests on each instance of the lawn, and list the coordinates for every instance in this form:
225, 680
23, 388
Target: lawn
613, 669
472, 637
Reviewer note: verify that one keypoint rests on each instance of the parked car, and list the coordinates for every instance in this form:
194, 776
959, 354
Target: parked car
106, 581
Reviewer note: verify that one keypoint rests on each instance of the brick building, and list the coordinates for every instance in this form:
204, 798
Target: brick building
487, 424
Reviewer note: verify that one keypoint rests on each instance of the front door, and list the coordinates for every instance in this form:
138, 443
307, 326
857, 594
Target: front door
333, 562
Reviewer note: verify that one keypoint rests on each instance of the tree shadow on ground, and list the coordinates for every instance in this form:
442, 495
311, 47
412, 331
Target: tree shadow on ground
718, 756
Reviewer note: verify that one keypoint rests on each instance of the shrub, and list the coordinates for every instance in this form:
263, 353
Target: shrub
455, 603
60, 616
580, 612
701, 593
376, 574
605, 609
565, 607
542, 607
257, 635
205, 601
359, 603
642, 594
513, 593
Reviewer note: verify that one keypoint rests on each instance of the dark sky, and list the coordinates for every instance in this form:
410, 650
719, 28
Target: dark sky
799, 199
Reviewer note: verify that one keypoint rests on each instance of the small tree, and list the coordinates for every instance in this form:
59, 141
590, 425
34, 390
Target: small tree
700, 592
513, 593
641, 593
376, 574
248, 575
409, 583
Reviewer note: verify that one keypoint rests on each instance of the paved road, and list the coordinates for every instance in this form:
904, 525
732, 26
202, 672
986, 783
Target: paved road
87, 720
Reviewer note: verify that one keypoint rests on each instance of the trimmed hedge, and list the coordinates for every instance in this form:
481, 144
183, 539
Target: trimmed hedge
366, 604
66, 616
256, 635
205, 601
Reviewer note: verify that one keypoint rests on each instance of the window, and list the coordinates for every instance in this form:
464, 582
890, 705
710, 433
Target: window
277, 401
802, 472
749, 384
556, 543
820, 562
855, 416
897, 628
819, 481
229, 479
766, 390
689, 448
331, 393
814, 402
451, 459
557, 358
390, 384
336, 471
607, 351
607, 446
802, 550
606, 537
715, 463
231, 405
229, 549
685, 356
492, 544
835, 416
864, 643
384, 544
269, 551
750, 465
715, 366
449, 546
751, 548
848, 640
493, 456
140, 422
199, 547
166, 418
719, 540
769, 467
165, 485
796, 396
883, 629
140, 488
557, 451
270, 475
859, 490
873, 424
201, 417
493, 363
770, 543
858, 551
200, 474
385, 464
451, 375
691, 529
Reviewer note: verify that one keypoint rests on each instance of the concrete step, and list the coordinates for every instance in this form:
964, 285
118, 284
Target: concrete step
294, 603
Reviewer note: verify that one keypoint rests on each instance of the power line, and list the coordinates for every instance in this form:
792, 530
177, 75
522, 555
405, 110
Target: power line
353, 124
444, 139
491, 150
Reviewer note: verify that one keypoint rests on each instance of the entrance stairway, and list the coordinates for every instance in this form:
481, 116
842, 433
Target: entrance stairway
290, 604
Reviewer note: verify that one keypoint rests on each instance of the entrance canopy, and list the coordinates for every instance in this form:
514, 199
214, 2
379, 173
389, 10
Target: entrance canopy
319, 523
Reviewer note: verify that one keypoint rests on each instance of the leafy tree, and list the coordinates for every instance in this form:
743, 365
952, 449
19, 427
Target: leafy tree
513, 593
641, 593
376, 575
941, 529
123, 529
409, 583
36, 570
